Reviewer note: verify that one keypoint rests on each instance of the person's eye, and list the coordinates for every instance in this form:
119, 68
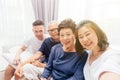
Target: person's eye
80, 37
36, 31
88, 34
40, 31
50, 30
68, 34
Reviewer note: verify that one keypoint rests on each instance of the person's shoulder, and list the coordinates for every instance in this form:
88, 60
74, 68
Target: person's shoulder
57, 49
47, 35
112, 53
84, 54
29, 38
48, 39
57, 46
83, 57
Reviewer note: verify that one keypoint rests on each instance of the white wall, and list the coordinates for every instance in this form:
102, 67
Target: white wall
104, 12
74, 9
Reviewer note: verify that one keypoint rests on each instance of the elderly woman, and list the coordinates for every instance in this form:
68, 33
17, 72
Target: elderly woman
64, 63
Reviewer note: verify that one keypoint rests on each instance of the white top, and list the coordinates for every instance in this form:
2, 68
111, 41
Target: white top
108, 61
33, 44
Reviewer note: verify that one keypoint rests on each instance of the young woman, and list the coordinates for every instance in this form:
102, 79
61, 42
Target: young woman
64, 63
103, 63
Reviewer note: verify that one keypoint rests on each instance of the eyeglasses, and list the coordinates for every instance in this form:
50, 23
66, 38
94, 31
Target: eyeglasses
54, 29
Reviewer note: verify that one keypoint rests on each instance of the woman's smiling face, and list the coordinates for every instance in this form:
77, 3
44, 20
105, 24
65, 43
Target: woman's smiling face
67, 37
88, 38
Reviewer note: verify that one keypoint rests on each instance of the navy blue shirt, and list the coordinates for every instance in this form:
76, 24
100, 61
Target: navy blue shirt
46, 46
65, 65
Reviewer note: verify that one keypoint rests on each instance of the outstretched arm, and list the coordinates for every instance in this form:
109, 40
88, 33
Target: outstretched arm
31, 60
17, 59
112, 76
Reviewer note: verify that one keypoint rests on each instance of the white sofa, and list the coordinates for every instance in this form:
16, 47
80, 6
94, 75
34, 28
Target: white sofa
3, 65
6, 43
5, 50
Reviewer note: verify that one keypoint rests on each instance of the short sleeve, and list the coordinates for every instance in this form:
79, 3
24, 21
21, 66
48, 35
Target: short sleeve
111, 64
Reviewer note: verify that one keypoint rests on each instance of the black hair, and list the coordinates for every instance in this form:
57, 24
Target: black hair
38, 22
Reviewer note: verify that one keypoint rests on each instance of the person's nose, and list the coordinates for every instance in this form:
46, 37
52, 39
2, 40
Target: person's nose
65, 37
85, 39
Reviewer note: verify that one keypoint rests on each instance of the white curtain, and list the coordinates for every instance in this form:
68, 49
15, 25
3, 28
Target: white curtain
106, 13
16, 17
45, 10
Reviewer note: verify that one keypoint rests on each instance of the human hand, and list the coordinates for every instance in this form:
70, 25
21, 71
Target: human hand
32, 60
43, 78
18, 72
37, 63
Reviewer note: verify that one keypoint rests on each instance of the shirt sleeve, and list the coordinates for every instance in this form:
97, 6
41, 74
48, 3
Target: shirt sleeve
111, 64
78, 75
49, 67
